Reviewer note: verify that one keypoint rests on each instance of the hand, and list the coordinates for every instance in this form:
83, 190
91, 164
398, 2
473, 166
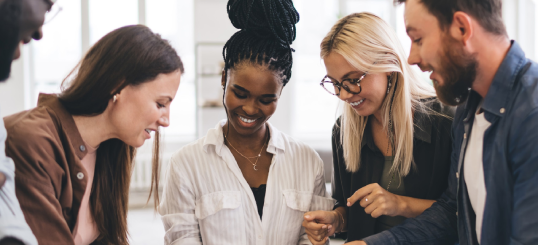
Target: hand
319, 225
356, 243
376, 201
2, 179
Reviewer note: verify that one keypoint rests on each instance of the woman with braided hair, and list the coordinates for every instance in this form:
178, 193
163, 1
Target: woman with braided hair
392, 144
245, 182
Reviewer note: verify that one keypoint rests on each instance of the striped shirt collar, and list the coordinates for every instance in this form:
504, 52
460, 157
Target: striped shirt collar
215, 137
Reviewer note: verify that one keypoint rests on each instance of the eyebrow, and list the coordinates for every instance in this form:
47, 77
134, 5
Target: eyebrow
167, 97
246, 91
410, 29
350, 73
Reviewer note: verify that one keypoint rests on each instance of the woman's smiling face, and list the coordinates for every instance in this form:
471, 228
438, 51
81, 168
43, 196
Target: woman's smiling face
251, 97
374, 85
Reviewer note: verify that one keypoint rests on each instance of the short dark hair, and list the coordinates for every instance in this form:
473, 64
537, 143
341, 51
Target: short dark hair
487, 12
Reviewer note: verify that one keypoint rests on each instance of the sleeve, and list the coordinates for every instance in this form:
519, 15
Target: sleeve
12, 222
338, 159
177, 207
437, 225
34, 156
524, 159
320, 199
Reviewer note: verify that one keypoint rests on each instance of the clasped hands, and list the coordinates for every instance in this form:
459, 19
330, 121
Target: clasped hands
375, 200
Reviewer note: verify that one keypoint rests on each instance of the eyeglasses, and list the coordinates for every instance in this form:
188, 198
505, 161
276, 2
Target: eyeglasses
53, 12
351, 85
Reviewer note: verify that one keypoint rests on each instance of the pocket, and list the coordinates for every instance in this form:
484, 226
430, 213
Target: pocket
297, 200
212, 203
218, 211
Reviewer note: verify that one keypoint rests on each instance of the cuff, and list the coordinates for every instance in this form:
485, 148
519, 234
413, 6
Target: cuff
385, 237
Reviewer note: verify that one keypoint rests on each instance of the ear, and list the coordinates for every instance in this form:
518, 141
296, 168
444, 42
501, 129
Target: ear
461, 28
223, 79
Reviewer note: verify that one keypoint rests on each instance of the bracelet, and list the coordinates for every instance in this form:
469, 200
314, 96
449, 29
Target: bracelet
341, 223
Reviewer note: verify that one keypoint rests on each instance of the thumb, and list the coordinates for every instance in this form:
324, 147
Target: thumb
309, 216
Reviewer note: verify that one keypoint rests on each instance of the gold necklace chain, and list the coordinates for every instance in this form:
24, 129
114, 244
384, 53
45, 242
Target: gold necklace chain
254, 165
388, 146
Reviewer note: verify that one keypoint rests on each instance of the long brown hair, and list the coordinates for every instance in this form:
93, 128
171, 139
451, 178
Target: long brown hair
129, 55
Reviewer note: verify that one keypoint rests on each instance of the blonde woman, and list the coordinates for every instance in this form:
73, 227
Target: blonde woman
392, 144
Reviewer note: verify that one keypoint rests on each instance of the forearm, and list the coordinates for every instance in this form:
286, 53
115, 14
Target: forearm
410, 207
341, 219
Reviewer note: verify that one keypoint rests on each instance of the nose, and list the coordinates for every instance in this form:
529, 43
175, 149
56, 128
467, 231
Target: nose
164, 121
38, 34
344, 95
414, 56
250, 108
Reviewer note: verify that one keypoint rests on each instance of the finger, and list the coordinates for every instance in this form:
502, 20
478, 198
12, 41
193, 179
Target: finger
361, 193
380, 210
317, 235
371, 198
309, 216
314, 242
313, 226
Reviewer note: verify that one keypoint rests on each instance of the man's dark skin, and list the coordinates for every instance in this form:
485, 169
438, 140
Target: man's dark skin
20, 22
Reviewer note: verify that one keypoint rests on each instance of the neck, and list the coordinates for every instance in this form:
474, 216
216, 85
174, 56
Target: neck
251, 142
489, 59
93, 129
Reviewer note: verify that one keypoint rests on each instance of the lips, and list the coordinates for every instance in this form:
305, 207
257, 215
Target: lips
247, 122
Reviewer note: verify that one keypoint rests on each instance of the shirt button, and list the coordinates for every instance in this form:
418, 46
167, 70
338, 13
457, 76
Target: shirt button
465, 135
456, 213
457, 175
82, 148
502, 110
80, 175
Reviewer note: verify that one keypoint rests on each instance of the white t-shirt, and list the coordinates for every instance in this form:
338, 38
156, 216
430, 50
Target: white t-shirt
473, 169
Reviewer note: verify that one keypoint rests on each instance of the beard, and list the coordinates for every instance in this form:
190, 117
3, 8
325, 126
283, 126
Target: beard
458, 70
10, 14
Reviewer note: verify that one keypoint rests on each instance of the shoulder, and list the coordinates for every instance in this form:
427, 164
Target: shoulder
31, 130
439, 109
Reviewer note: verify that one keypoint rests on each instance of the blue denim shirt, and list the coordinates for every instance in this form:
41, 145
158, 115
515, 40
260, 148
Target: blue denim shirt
510, 159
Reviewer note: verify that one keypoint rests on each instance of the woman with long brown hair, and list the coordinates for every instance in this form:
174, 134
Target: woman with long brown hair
74, 152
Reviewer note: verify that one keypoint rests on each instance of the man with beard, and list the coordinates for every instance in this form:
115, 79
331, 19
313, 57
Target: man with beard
492, 196
20, 22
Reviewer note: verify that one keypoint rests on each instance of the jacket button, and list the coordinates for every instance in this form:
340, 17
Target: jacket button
456, 213
80, 175
457, 175
82, 148
502, 110
465, 135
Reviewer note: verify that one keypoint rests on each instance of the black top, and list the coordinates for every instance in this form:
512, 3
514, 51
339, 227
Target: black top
432, 147
259, 196
392, 183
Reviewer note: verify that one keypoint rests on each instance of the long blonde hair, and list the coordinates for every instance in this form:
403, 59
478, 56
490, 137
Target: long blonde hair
369, 44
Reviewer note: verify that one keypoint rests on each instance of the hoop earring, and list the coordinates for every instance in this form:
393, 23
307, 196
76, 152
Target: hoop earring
114, 98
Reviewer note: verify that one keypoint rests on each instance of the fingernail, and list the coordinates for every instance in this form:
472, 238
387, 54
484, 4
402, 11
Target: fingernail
324, 227
330, 227
308, 216
348, 204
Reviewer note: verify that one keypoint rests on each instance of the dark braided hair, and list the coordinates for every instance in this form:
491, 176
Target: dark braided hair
267, 31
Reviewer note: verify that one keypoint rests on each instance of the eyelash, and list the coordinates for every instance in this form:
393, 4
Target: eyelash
244, 97
159, 105
418, 41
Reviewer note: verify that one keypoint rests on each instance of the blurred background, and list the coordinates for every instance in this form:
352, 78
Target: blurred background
198, 30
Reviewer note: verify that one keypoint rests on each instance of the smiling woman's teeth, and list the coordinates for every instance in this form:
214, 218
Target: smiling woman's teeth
356, 103
247, 120
148, 131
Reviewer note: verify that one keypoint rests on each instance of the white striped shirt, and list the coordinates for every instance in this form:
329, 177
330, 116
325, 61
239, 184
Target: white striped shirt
206, 198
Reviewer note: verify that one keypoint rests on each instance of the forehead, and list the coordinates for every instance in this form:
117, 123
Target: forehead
256, 79
418, 19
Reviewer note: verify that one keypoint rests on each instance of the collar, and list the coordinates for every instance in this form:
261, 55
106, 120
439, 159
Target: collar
422, 130
496, 99
215, 137
65, 121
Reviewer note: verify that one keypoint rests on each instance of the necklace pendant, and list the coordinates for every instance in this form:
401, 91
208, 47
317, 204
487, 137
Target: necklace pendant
255, 168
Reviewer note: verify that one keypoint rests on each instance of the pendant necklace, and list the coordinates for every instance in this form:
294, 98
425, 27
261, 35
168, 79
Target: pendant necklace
254, 164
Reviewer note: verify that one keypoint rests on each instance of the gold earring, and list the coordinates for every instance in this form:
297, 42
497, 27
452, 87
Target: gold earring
114, 99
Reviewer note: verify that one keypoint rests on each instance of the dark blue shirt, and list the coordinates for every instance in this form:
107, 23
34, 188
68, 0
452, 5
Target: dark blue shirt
510, 161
